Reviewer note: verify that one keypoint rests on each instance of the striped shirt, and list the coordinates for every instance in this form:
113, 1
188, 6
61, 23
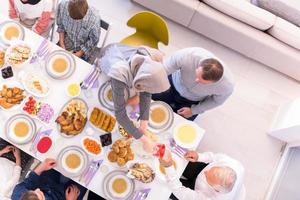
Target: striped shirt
79, 34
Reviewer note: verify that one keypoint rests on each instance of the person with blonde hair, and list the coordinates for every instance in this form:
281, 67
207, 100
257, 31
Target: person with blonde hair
207, 176
37, 15
78, 28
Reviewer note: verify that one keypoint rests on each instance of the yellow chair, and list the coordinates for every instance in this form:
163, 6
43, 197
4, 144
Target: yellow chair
150, 30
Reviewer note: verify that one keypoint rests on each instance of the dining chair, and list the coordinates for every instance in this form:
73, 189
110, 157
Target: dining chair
54, 10
150, 30
105, 29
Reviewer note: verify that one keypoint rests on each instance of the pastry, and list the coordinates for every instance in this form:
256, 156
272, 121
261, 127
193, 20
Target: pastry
121, 152
102, 120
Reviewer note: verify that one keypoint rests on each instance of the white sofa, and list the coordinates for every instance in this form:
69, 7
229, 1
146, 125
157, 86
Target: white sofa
241, 26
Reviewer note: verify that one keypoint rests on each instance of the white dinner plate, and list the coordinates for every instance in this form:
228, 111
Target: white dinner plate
195, 134
62, 163
11, 48
28, 79
3, 27
166, 123
103, 99
70, 63
10, 132
107, 186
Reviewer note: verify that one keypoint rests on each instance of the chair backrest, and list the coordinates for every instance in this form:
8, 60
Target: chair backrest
54, 10
152, 23
106, 27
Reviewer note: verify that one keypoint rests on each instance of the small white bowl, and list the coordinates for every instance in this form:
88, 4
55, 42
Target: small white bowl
67, 90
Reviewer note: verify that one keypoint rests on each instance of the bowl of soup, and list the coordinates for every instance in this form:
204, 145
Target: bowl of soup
11, 30
60, 64
20, 129
73, 161
117, 185
186, 135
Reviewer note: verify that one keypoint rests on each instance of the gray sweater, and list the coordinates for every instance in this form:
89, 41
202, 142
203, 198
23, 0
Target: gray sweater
122, 54
118, 88
182, 65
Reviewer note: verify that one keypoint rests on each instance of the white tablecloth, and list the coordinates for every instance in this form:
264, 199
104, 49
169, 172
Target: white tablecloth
57, 99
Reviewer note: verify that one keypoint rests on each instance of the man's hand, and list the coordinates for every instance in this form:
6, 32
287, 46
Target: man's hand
79, 53
61, 41
72, 192
185, 112
46, 165
167, 160
191, 156
17, 155
7, 149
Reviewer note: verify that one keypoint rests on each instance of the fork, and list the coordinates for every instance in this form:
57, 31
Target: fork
41, 52
89, 81
180, 151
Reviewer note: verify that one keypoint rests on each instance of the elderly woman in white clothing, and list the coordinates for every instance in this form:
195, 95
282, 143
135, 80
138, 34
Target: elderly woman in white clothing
9, 172
208, 176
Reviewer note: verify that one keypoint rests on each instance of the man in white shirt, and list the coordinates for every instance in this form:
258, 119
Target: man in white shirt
9, 172
199, 82
208, 176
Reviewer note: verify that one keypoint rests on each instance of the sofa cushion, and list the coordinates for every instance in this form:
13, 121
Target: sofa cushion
246, 40
286, 32
286, 9
181, 11
245, 12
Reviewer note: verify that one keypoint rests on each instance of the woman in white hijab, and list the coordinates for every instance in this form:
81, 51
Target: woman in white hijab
136, 69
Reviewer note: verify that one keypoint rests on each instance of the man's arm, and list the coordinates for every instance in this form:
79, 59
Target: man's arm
175, 61
92, 40
181, 192
118, 88
209, 103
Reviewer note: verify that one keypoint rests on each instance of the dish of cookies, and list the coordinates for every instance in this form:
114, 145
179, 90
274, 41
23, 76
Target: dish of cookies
11, 96
102, 120
73, 117
18, 54
121, 152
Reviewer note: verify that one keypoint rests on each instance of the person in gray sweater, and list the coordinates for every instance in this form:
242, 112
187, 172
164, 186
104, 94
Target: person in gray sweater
133, 68
199, 82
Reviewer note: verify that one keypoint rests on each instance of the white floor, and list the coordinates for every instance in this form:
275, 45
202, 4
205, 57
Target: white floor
238, 128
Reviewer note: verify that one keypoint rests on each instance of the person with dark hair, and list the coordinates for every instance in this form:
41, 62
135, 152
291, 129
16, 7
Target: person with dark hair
37, 15
199, 82
44, 183
78, 28
9, 172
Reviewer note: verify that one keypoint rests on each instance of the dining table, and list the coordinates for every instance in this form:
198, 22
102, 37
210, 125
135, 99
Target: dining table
58, 97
